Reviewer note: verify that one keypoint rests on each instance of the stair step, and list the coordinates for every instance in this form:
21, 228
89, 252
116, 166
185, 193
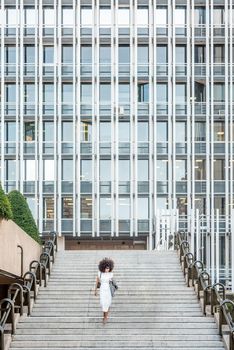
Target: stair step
153, 308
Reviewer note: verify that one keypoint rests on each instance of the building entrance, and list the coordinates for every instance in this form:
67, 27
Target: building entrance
115, 244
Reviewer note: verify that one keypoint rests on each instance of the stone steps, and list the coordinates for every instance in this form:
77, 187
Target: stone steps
153, 308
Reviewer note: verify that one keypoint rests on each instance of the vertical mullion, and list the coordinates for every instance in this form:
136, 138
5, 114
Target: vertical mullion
96, 67
77, 127
39, 116
133, 121
74, 115
3, 126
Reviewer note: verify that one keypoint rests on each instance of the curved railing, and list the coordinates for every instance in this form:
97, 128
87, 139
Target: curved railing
213, 295
21, 291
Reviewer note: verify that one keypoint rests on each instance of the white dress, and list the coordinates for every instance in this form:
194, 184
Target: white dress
105, 293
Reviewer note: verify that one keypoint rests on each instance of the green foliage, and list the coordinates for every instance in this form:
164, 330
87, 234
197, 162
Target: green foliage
22, 215
5, 206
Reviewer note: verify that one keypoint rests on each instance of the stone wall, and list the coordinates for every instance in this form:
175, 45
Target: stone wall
12, 235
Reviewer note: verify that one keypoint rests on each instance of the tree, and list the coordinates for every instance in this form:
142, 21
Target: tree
5, 206
22, 215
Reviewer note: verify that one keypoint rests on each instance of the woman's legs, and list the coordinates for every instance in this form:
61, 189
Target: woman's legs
105, 314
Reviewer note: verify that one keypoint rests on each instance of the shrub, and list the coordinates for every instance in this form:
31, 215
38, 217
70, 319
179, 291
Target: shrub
5, 206
22, 215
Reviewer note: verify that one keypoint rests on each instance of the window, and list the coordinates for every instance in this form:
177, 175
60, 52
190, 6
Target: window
10, 134
180, 54
219, 131
105, 54
124, 208
161, 16
67, 16
29, 93
48, 131
180, 93
180, 132
32, 205
29, 131
124, 93
67, 93
143, 170
85, 131
29, 170
200, 169
219, 169
200, 131
67, 54
67, 208
181, 170
123, 17
200, 92
200, 54
86, 54
142, 17
124, 132
11, 14
48, 173
49, 17
10, 54
219, 93
67, 169
105, 93
67, 131
124, 54
143, 131
86, 16
105, 208
124, 170
142, 208
48, 54
143, 92
86, 93
180, 16
162, 134
218, 16
86, 207
219, 54
105, 132
161, 93
219, 203
86, 170
10, 170
162, 170
30, 17
48, 208
105, 170
161, 54
105, 17
48, 94
10, 93
199, 16
143, 54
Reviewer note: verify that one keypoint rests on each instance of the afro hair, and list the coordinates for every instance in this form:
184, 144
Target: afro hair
104, 263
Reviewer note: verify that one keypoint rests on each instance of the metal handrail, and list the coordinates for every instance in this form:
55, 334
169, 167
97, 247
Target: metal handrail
213, 295
19, 292
6, 310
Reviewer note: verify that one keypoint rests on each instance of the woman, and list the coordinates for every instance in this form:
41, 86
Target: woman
105, 274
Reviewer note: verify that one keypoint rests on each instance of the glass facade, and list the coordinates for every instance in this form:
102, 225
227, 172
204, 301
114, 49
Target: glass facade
115, 110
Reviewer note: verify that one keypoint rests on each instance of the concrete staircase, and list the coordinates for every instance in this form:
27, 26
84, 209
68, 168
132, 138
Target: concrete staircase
153, 308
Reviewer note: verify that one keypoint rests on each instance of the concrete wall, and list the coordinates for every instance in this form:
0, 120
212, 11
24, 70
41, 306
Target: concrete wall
10, 256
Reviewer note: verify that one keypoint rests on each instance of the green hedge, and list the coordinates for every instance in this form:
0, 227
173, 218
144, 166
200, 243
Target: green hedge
22, 215
5, 206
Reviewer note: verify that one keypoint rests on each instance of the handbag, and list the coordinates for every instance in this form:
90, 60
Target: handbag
113, 287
